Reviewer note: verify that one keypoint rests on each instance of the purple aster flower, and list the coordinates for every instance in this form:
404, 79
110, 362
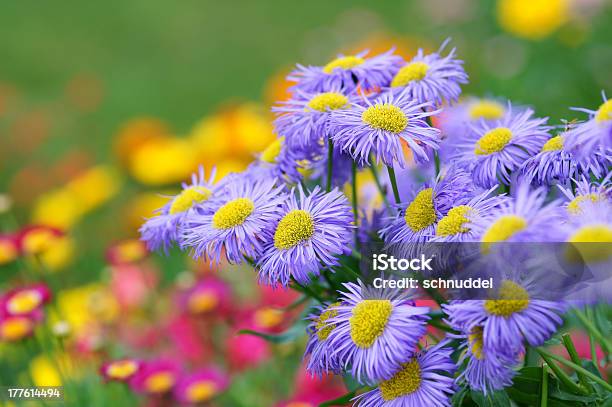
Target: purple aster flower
454, 121
417, 219
525, 217
431, 78
342, 166
588, 137
491, 151
277, 161
162, 230
322, 358
304, 118
424, 380
311, 231
156, 377
201, 386
375, 331
348, 72
456, 225
381, 126
587, 191
486, 371
237, 222
555, 163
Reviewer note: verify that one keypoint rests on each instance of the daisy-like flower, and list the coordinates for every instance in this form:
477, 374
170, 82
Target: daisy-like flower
347, 72
25, 301
236, 223
156, 377
207, 296
455, 226
431, 78
322, 359
416, 220
311, 231
381, 126
162, 230
585, 192
15, 328
592, 224
424, 380
120, 370
304, 118
555, 163
588, 137
201, 386
375, 331
524, 217
454, 121
342, 166
486, 371
513, 314
491, 151
277, 160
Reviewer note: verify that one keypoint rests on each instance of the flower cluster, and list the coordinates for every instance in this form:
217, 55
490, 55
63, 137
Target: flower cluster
490, 172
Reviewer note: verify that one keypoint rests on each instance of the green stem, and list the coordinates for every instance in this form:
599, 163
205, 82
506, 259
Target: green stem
563, 377
437, 162
593, 330
382, 191
330, 157
573, 354
544, 391
306, 290
354, 200
393, 183
577, 368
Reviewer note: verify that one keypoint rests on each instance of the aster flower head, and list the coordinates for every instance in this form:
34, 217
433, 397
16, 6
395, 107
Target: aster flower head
555, 163
381, 126
303, 119
237, 222
431, 78
486, 371
312, 230
454, 121
322, 359
587, 192
524, 217
491, 151
588, 137
201, 386
424, 380
162, 230
277, 160
417, 219
156, 377
375, 331
347, 72
121, 369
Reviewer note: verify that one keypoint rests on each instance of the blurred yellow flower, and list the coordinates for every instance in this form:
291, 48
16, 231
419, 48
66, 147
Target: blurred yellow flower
143, 206
163, 161
84, 306
59, 208
135, 133
8, 251
532, 19
49, 370
59, 254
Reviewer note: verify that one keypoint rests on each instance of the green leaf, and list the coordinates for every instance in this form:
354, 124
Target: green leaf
496, 399
294, 332
340, 401
350, 382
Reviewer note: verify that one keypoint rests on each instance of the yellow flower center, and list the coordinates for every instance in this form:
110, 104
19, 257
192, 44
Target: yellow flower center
512, 298
347, 62
411, 72
369, 320
420, 213
503, 229
187, 198
24, 302
267, 317
201, 391
554, 144
38, 241
324, 329
452, 223
385, 117
202, 301
493, 141
13, 329
486, 109
328, 101
160, 382
574, 206
294, 228
404, 382
475, 341
122, 369
234, 213
270, 154
604, 113
591, 252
